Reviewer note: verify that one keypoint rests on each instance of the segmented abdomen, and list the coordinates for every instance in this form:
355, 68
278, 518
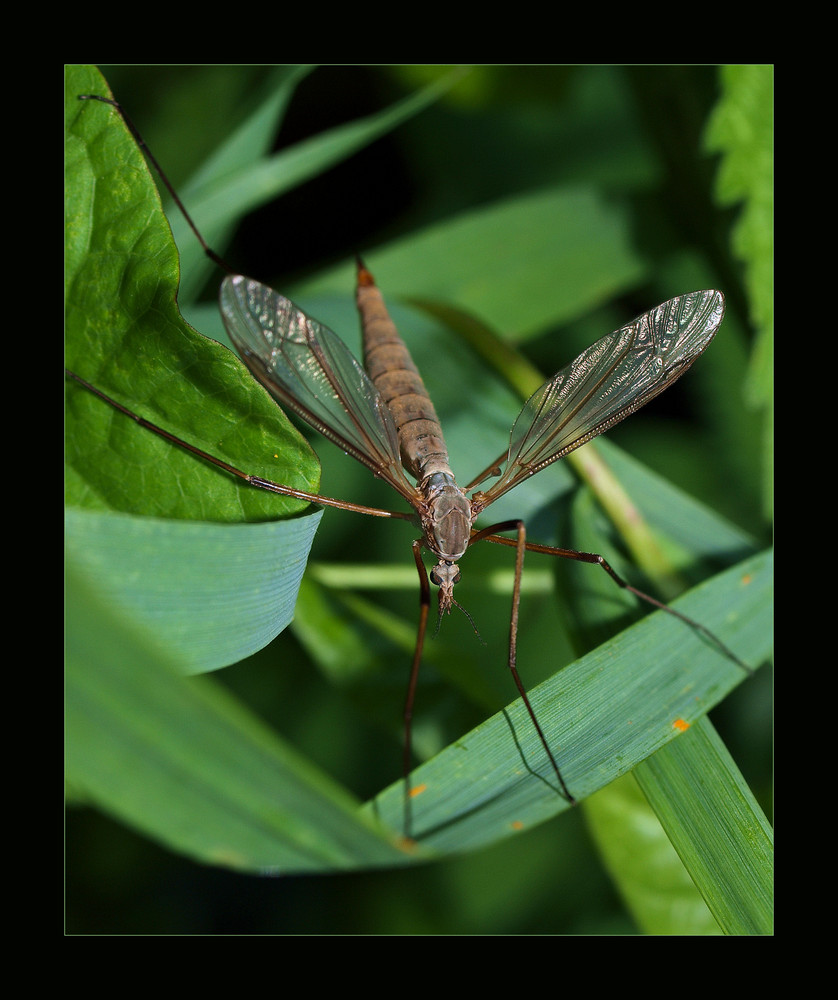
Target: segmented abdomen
391, 368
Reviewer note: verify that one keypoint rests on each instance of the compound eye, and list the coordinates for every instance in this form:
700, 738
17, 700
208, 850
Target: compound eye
445, 573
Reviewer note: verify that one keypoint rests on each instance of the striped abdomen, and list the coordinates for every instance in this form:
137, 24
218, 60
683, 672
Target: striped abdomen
396, 377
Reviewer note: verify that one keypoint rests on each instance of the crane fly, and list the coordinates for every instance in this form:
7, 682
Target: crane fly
382, 416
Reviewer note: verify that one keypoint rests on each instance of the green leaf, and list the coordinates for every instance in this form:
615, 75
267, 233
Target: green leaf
687, 845
171, 577
652, 880
742, 129
716, 827
125, 335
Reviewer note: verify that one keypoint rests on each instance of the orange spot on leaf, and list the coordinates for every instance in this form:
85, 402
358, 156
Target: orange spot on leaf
517, 825
417, 790
680, 725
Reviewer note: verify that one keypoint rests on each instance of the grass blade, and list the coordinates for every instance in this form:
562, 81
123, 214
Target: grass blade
716, 826
180, 760
606, 713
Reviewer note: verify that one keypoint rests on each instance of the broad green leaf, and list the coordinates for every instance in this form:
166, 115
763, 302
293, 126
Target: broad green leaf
124, 334
171, 578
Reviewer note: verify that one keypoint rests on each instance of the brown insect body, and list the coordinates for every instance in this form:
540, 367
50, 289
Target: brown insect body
445, 513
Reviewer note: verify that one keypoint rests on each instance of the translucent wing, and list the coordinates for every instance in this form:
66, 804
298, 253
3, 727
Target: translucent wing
310, 370
608, 381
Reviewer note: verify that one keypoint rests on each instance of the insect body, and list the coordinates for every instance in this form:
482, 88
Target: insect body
385, 419
307, 368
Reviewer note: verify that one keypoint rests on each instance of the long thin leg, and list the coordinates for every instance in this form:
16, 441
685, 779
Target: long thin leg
520, 543
424, 607
489, 535
257, 481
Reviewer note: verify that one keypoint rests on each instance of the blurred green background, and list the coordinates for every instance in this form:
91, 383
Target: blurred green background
639, 136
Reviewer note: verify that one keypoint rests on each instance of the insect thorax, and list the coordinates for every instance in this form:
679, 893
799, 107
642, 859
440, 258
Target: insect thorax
447, 523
